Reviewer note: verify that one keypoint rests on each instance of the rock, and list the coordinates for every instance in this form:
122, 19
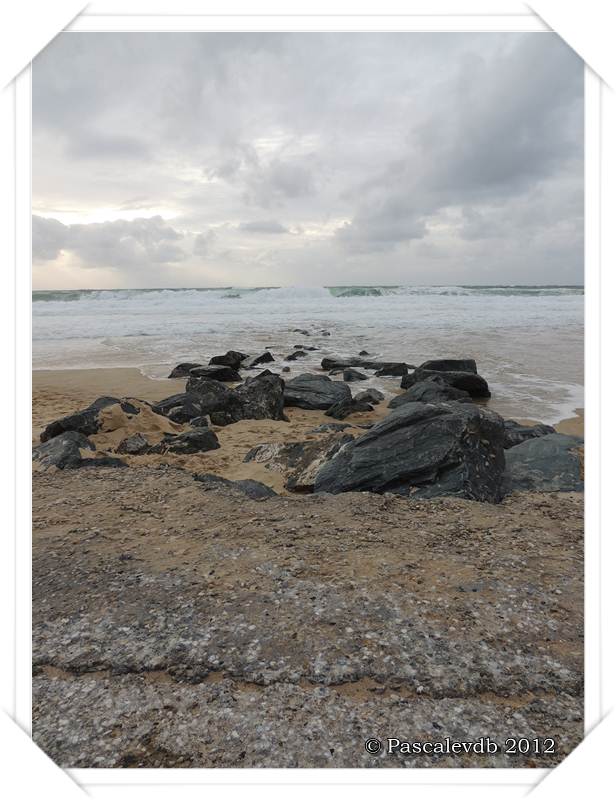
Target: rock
86, 421
62, 451
550, 463
182, 407
183, 370
253, 361
301, 330
345, 408
199, 422
370, 396
325, 333
286, 369
217, 372
351, 375
253, 489
199, 440
430, 390
301, 460
424, 450
469, 382
364, 353
297, 354
327, 427
450, 365
133, 445
396, 369
232, 358
314, 392
304, 347
261, 397
516, 434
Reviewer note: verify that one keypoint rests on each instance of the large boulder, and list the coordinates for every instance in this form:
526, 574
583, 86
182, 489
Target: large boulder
232, 358
430, 390
395, 370
299, 461
352, 375
260, 397
134, 445
182, 407
183, 370
515, 433
315, 392
69, 450
369, 396
87, 421
344, 408
217, 372
424, 450
551, 463
470, 382
450, 365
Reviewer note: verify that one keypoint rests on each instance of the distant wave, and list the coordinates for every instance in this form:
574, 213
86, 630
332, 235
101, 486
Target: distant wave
298, 292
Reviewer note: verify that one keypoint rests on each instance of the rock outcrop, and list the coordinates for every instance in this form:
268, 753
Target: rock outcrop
314, 392
69, 450
470, 382
88, 420
550, 463
430, 390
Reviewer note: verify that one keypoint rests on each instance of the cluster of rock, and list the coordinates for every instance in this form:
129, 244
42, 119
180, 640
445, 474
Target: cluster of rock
435, 441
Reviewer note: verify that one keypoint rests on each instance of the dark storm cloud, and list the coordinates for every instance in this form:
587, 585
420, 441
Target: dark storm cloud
401, 157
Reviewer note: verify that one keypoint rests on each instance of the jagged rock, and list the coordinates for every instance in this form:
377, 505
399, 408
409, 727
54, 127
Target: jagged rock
253, 361
345, 408
430, 390
217, 372
424, 450
550, 463
63, 451
260, 397
515, 433
450, 365
199, 440
182, 407
370, 396
395, 370
253, 489
133, 445
183, 370
86, 421
232, 358
301, 460
297, 354
469, 382
314, 392
351, 375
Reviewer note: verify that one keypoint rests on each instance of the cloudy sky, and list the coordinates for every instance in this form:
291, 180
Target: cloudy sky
306, 159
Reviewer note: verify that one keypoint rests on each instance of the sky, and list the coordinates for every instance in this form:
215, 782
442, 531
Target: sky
199, 159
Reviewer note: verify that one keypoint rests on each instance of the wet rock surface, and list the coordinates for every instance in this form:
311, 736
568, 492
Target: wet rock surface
515, 433
286, 631
470, 382
551, 463
315, 392
430, 390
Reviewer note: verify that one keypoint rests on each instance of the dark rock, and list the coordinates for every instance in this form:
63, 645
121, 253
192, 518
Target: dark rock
261, 397
430, 390
314, 392
286, 369
450, 365
86, 421
424, 450
469, 382
133, 445
550, 463
63, 451
516, 434
199, 422
302, 331
345, 408
297, 354
232, 358
352, 375
325, 333
199, 440
364, 353
330, 363
328, 427
253, 361
395, 370
301, 460
369, 396
183, 370
304, 347
253, 489
102, 461
217, 372
182, 407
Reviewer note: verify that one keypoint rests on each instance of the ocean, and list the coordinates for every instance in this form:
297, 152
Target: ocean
528, 340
